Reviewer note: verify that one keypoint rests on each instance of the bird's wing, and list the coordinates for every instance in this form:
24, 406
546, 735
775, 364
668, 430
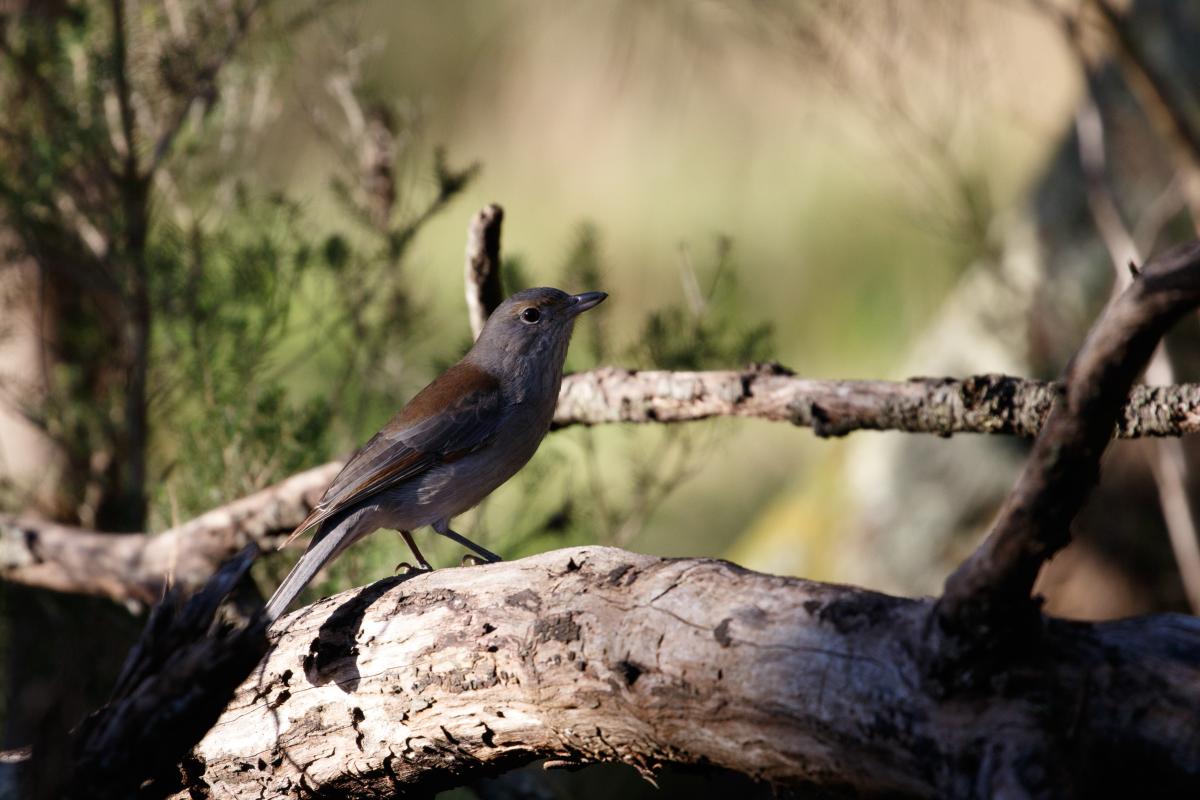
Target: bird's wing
455, 415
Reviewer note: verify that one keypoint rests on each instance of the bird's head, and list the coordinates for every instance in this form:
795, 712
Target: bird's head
531, 330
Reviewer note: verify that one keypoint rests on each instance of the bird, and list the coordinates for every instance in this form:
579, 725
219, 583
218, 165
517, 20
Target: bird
454, 443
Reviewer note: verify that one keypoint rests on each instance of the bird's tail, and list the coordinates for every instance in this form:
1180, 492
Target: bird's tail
323, 548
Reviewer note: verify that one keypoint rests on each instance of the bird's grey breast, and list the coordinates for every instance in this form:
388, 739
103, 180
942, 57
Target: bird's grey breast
456, 486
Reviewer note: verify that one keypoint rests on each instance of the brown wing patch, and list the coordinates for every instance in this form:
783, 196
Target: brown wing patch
445, 393
383, 475
376, 480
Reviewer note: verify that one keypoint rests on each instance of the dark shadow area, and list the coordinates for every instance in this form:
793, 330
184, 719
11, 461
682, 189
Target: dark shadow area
337, 639
605, 781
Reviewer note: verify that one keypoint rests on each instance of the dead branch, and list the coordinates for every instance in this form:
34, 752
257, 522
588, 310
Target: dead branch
596, 654
989, 593
136, 567
997, 404
482, 273
174, 684
1169, 465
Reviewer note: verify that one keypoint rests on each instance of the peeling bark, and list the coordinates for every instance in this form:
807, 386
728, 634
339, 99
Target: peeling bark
596, 654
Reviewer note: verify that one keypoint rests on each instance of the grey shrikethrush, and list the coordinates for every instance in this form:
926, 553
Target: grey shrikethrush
454, 443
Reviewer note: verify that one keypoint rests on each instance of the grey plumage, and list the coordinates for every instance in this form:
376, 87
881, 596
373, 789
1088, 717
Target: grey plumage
455, 442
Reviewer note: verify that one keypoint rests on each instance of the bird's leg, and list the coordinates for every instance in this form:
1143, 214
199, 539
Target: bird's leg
412, 545
444, 529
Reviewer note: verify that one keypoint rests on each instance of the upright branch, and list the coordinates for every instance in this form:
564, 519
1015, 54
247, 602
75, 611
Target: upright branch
1169, 462
482, 279
174, 684
990, 591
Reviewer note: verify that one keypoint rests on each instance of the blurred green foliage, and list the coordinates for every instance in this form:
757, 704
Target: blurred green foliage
225, 422
711, 332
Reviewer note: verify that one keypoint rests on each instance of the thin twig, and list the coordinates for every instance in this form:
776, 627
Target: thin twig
204, 84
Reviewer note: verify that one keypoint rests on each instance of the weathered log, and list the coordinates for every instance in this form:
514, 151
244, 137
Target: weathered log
597, 654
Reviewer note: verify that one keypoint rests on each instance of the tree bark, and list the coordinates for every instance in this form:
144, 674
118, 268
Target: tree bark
595, 654
997, 404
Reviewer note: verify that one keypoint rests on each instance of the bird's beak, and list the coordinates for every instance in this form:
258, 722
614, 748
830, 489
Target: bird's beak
582, 302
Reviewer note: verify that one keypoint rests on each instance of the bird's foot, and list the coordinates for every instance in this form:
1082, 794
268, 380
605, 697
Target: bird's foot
469, 560
482, 552
405, 568
416, 551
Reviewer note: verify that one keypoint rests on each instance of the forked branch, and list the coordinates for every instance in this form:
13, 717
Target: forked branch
990, 591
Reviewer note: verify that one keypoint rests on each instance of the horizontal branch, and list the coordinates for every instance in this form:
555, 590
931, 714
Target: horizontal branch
136, 566
595, 654
997, 404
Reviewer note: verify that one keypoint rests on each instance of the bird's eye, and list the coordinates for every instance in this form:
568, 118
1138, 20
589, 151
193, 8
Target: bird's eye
531, 315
